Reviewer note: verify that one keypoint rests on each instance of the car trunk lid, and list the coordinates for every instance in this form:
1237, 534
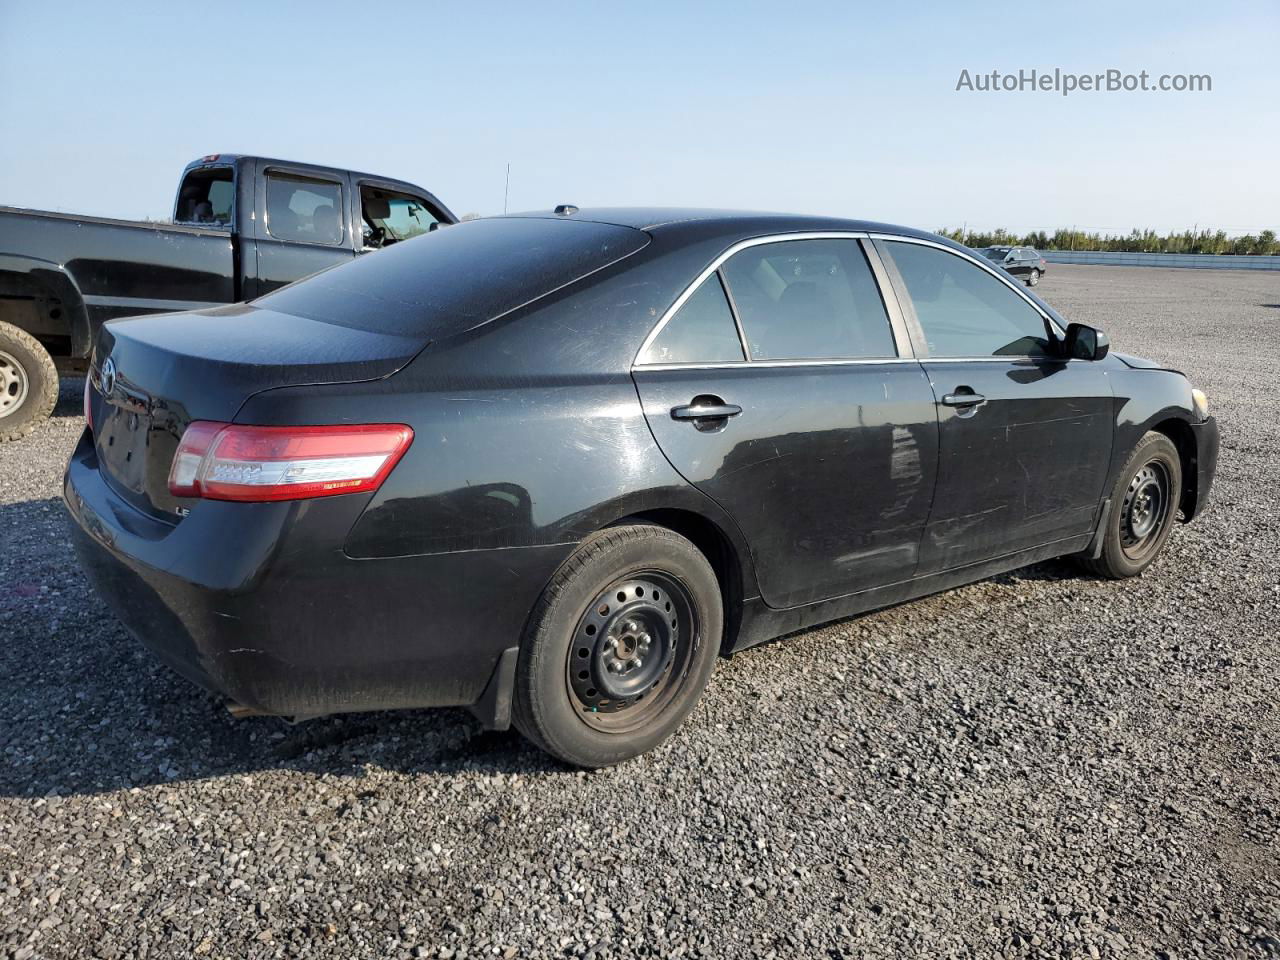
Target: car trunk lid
153, 375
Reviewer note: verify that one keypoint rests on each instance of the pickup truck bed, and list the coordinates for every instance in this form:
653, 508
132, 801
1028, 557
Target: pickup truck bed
120, 267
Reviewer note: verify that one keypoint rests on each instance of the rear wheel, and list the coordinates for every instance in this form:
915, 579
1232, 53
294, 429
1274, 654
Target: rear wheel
1033, 277
28, 382
619, 648
1144, 504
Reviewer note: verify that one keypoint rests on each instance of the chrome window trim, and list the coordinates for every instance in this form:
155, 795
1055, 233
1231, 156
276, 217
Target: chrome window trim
739, 364
861, 362
906, 354
986, 267
717, 263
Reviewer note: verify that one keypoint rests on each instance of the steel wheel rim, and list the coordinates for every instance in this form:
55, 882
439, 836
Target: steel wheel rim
631, 650
13, 384
1145, 509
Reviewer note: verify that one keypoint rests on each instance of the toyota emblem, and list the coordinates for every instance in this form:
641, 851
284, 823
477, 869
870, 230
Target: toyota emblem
108, 376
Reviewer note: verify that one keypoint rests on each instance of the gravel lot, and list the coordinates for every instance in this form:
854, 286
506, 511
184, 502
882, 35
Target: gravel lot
1037, 765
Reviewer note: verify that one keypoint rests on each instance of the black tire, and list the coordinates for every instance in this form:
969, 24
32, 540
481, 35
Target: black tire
28, 383
1033, 278
617, 579
1152, 475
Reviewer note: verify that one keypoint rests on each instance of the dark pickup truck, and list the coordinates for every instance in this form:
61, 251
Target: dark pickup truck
242, 226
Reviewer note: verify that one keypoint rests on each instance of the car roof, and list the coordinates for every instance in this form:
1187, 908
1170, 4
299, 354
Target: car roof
667, 220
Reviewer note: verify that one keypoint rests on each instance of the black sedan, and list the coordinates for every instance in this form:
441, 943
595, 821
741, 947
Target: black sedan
551, 466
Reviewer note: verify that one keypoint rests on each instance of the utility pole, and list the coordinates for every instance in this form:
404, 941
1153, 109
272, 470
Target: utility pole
506, 190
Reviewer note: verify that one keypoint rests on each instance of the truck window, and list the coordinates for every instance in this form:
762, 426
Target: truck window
207, 196
304, 209
389, 217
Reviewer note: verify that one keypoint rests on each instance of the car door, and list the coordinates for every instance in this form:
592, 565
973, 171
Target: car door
1024, 433
777, 386
1015, 264
304, 228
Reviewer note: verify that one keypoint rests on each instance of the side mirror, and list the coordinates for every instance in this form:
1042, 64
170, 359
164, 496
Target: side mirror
1085, 343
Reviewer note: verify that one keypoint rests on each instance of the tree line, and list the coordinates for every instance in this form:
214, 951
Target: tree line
1138, 241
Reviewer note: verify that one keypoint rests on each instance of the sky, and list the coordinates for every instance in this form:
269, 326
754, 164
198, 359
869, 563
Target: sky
842, 108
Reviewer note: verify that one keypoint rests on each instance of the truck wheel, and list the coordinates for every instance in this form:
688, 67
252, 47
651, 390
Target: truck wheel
1144, 504
619, 646
28, 382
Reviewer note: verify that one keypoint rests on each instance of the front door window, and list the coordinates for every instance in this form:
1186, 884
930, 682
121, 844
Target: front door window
388, 217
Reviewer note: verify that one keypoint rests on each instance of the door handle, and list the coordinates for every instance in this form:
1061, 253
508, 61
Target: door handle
963, 400
705, 411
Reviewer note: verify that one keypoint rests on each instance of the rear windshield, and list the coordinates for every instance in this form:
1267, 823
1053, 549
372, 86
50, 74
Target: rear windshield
206, 196
456, 277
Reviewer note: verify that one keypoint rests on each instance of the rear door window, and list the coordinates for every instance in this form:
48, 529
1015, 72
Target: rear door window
304, 209
963, 310
702, 330
808, 300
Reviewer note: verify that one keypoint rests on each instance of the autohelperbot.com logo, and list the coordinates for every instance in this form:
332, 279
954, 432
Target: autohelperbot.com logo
1065, 82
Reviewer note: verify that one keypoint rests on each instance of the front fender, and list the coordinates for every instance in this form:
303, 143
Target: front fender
1151, 398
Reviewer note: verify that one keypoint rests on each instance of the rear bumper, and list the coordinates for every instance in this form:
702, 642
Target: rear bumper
1206, 467
258, 602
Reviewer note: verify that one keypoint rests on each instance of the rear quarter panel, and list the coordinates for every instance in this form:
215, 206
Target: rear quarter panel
528, 431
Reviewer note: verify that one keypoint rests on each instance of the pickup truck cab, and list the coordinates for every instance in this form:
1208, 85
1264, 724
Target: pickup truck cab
242, 226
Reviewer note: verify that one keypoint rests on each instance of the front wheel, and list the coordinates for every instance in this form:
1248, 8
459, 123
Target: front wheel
619, 647
1144, 503
28, 382
1033, 278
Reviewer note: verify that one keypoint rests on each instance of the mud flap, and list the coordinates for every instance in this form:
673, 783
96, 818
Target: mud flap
1094, 550
493, 709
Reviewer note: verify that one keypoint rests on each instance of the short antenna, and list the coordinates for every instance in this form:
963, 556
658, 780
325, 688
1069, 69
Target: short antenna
506, 191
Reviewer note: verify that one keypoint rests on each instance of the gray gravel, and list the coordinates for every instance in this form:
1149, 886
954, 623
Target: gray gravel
1037, 765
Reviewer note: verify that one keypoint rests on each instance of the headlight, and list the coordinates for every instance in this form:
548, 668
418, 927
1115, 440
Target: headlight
1200, 404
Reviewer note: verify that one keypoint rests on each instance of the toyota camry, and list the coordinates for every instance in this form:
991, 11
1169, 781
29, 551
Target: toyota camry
552, 466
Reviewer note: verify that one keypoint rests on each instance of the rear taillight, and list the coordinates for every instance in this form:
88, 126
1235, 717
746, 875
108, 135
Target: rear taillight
220, 461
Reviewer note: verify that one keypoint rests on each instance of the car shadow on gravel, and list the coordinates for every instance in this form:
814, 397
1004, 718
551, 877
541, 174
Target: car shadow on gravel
1048, 571
86, 709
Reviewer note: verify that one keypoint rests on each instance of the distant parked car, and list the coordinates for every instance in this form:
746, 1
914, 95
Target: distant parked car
551, 466
1022, 262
